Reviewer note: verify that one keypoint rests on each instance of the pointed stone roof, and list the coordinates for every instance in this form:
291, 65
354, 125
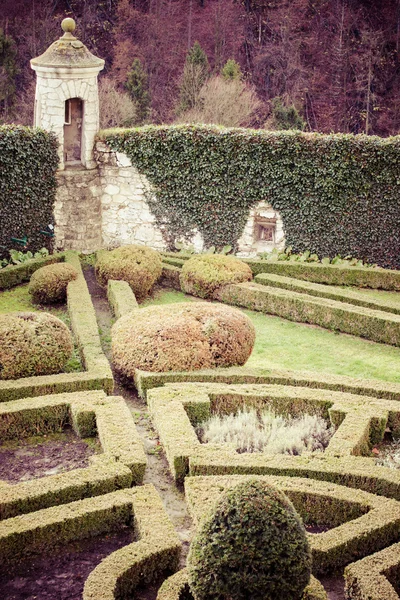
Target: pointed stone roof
67, 51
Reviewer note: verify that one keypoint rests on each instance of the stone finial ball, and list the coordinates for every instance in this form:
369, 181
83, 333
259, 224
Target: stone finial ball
68, 25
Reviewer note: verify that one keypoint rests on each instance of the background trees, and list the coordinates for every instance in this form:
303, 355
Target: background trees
335, 61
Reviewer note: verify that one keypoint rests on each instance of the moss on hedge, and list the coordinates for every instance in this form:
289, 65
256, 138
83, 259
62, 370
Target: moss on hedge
49, 284
202, 275
140, 266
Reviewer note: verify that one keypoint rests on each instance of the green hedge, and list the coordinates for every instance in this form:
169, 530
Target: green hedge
14, 275
335, 193
360, 523
340, 294
374, 325
372, 577
176, 587
28, 164
335, 275
120, 298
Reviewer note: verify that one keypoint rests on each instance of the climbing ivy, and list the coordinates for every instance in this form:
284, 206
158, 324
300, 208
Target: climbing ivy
28, 163
337, 194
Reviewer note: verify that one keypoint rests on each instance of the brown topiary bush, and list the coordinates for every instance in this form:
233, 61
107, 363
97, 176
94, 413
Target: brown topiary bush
33, 344
181, 337
49, 284
202, 275
138, 265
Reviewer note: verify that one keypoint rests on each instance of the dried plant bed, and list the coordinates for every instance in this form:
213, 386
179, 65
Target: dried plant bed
360, 522
97, 373
176, 587
373, 577
121, 463
374, 325
157, 548
146, 380
376, 278
326, 291
16, 274
177, 409
120, 298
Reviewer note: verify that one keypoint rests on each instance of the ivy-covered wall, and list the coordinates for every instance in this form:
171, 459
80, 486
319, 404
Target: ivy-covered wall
337, 194
28, 163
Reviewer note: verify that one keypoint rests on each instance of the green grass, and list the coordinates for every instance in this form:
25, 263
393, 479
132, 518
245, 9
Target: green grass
282, 344
18, 300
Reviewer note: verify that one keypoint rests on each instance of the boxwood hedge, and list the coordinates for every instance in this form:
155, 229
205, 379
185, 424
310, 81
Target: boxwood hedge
336, 193
28, 164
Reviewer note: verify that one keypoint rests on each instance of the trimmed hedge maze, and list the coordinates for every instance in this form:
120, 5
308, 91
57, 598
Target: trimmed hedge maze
121, 463
156, 550
97, 374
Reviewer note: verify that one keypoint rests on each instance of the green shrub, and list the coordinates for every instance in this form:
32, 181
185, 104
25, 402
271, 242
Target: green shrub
336, 194
183, 336
49, 284
253, 546
28, 164
202, 275
140, 266
33, 344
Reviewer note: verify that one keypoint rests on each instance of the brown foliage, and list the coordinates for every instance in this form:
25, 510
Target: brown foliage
204, 274
181, 337
33, 344
49, 284
140, 266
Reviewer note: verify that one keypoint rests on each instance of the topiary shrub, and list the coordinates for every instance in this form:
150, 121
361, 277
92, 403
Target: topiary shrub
181, 337
49, 284
33, 344
254, 545
202, 275
138, 265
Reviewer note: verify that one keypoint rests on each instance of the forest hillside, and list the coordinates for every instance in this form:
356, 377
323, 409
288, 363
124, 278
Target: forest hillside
318, 65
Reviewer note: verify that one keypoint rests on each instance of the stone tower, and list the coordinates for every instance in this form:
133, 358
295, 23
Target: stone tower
67, 99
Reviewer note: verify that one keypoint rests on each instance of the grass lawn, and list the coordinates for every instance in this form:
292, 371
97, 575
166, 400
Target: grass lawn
282, 344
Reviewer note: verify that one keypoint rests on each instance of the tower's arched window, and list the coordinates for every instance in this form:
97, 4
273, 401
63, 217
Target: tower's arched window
73, 130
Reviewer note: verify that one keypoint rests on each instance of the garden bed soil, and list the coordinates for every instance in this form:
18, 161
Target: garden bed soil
30, 458
60, 575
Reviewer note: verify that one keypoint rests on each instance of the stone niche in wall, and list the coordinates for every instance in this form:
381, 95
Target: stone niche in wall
263, 231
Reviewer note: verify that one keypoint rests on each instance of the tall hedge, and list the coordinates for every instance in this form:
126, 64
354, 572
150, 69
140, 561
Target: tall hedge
28, 163
336, 193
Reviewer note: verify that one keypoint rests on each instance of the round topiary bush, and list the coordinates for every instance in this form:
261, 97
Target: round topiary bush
254, 545
181, 337
49, 284
138, 265
202, 275
33, 344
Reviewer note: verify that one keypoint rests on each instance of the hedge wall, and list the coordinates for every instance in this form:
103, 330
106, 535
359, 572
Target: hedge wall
335, 193
28, 163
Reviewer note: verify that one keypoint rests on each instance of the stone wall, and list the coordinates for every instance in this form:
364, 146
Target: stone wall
107, 207
77, 210
126, 217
